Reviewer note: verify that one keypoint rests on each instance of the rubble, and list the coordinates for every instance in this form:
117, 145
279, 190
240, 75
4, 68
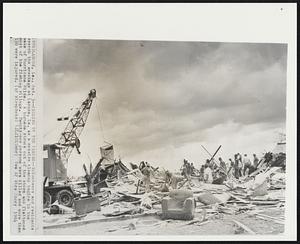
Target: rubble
171, 197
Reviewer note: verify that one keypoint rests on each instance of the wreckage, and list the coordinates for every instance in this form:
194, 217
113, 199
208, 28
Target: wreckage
123, 194
111, 190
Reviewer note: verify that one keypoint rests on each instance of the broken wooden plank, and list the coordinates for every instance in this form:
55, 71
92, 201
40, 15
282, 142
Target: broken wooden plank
238, 198
264, 202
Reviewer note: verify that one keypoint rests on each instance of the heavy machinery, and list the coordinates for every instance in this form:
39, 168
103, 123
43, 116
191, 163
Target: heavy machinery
56, 157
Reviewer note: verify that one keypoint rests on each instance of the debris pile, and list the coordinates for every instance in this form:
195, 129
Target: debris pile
199, 197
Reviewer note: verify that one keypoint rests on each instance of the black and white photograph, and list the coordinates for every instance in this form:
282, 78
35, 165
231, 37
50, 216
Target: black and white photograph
150, 122
145, 136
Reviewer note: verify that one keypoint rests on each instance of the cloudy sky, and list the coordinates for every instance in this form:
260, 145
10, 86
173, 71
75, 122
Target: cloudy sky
160, 101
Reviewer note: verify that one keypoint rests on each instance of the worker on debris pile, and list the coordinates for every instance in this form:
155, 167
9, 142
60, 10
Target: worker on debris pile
192, 168
116, 169
146, 170
230, 172
240, 164
246, 164
184, 168
221, 172
223, 166
237, 166
208, 178
190, 173
186, 171
189, 169
255, 161
207, 162
201, 178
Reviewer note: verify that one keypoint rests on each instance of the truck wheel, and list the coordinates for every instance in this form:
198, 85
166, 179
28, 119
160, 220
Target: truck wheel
65, 198
47, 199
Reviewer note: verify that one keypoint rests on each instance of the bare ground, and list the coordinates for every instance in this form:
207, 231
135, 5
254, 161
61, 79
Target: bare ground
220, 224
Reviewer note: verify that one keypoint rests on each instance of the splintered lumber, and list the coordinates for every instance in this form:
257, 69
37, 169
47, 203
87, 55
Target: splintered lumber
119, 213
246, 228
239, 199
266, 202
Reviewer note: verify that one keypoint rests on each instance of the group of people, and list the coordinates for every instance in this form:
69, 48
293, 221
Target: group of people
241, 166
217, 172
210, 172
187, 169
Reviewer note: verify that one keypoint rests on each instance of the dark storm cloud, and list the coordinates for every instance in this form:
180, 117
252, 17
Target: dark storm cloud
168, 93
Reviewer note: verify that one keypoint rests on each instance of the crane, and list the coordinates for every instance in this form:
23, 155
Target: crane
70, 136
56, 156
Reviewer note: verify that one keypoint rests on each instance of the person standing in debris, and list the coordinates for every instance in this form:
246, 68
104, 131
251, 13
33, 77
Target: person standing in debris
222, 169
222, 165
201, 178
187, 171
236, 166
184, 168
255, 161
192, 169
240, 164
253, 165
116, 170
207, 162
230, 172
146, 176
247, 164
208, 178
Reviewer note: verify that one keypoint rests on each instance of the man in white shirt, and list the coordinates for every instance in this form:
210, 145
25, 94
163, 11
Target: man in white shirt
208, 178
246, 164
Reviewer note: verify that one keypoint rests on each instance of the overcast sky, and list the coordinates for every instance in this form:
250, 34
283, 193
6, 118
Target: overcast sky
160, 101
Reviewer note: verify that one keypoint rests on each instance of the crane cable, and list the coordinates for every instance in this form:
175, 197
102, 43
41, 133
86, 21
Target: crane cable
100, 121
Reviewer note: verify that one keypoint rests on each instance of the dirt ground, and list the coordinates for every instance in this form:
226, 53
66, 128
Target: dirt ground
220, 224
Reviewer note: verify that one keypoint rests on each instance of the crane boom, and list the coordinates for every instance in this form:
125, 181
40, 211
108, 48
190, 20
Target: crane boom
70, 136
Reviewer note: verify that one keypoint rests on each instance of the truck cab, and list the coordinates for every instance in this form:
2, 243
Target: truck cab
56, 186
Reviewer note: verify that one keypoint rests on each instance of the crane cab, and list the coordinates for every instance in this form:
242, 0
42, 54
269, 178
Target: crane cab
54, 169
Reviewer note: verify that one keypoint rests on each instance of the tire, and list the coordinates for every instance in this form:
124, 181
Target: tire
47, 200
65, 198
